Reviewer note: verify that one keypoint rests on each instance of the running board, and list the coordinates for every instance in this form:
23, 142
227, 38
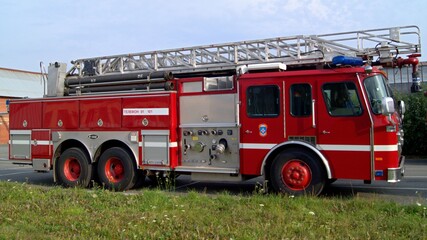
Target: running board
216, 177
207, 170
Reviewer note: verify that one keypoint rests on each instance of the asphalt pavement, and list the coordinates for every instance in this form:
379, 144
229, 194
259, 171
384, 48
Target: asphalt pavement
411, 190
4, 151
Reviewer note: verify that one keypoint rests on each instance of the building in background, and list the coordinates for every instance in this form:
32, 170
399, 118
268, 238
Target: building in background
16, 84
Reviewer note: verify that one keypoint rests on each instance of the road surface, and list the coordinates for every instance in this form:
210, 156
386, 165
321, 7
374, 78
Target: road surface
411, 190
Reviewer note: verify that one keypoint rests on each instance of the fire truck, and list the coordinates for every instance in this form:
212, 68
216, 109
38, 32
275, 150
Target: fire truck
301, 111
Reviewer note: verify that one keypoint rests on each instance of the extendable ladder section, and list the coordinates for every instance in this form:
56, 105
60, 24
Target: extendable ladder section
383, 43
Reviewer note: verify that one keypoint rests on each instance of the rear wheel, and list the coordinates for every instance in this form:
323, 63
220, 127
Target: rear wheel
297, 172
73, 168
116, 170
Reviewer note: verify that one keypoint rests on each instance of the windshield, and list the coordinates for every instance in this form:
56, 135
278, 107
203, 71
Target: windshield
377, 89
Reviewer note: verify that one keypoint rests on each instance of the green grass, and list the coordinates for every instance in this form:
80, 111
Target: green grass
33, 212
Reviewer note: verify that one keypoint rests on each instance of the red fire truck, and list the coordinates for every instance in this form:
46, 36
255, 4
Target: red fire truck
300, 111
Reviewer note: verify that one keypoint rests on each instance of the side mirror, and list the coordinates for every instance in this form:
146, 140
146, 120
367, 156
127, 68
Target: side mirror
387, 106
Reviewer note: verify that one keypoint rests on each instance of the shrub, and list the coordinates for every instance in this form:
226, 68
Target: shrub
415, 123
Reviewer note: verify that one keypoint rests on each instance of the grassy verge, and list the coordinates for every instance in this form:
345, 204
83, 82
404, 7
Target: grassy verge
29, 212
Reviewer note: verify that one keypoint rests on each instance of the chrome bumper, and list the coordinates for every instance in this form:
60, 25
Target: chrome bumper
396, 174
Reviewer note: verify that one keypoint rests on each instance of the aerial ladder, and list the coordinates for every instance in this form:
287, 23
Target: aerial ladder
154, 69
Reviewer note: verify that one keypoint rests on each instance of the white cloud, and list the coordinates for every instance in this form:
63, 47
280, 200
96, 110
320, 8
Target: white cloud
292, 5
319, 10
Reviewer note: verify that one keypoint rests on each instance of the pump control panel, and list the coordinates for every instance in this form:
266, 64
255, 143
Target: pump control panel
210, 147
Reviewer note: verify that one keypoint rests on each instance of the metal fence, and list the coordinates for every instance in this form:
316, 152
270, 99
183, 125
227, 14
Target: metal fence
401, 78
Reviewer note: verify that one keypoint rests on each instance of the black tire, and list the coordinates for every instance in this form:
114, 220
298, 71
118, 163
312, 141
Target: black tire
140, 179
116, 169
297, 173
73, 168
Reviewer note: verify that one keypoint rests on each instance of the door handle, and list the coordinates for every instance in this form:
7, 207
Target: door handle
325, 132
313, 110
248, 131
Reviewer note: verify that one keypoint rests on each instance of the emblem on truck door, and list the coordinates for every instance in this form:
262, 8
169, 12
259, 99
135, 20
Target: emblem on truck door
262, 130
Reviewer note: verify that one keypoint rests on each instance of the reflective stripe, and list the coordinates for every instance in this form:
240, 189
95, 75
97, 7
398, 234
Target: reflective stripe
20, 142
386, 148
355, 148
256, 146
158, 144
33, 142
329, 147
41, 142
155, 144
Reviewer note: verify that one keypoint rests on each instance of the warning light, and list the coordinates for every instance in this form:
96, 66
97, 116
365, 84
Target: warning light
346, 60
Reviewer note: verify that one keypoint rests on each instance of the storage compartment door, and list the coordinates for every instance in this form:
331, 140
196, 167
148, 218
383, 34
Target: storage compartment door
41, 145
20, 145
155, 147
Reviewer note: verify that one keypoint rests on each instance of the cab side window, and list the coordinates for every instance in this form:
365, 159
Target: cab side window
263, 101
300, 100
342, 99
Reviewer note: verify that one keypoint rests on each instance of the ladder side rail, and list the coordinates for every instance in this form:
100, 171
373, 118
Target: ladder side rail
108, 62
250, 53
139, 65
324, 43
218, 56
375, 39
264, 50
171, 59
412, 29
396, 47
378, 36
167, 59
253, 41
311, 58
292, 50
279, 48
381, 38
245, 55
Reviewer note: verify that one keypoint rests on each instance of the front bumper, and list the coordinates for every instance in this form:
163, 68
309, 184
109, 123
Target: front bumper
396, 174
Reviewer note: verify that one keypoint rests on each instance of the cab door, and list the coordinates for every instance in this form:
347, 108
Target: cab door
261, 120
301, 110
344, 128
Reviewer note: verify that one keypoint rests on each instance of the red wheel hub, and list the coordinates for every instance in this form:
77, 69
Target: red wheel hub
296, 174
72, 169
114, 170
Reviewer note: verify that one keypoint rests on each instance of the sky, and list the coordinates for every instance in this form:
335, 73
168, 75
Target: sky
60, 31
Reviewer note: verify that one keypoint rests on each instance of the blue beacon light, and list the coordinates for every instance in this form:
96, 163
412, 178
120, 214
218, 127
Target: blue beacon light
346, 60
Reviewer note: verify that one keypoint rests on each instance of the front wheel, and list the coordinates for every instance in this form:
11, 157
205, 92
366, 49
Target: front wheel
116, 170
298, 173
